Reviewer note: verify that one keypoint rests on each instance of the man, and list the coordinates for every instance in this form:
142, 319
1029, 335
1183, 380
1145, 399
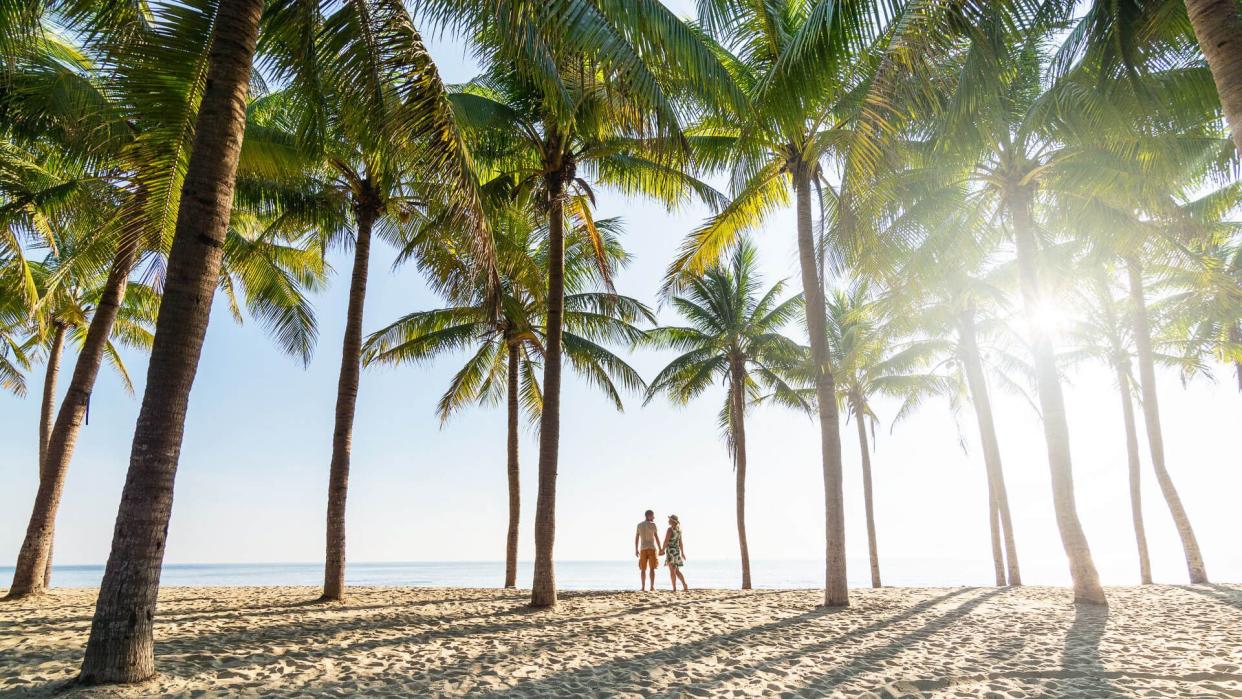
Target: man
646, 547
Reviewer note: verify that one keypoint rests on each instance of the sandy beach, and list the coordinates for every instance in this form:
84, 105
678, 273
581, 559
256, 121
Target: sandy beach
1027, 642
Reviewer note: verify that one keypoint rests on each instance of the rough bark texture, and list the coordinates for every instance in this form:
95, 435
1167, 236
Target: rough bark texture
543, 588
836, 589
1052, 406
346, 404
873, 549
998, 494
515, 483
48, 405
46, 410
34, 559
737, 395
1219, 31
121, 645
1132, 461
1151, 419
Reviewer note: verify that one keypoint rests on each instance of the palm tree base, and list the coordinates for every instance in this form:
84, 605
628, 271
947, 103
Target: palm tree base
1090, 600
16, 595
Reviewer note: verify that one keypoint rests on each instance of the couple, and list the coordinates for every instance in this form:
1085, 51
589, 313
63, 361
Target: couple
646, 545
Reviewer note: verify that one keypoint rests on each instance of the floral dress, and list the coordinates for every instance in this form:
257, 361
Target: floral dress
672, 552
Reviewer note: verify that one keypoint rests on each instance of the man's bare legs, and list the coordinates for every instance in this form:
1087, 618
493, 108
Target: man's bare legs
645, 575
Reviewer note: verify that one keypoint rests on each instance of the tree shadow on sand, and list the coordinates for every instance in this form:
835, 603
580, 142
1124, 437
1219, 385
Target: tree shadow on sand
1228, 596
678, 654
1081, 660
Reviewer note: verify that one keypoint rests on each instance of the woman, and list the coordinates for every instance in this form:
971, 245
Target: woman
674, 551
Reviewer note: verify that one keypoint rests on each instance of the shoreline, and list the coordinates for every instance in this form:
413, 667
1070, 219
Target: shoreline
947, 641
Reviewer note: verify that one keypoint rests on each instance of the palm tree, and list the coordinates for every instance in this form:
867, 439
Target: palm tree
1139, 39
371, 162
377, 141
862, 353
1102, 335
1135, 218
15, 353
1203, 297
733, 337
100, 229
65, 313
1142, 334
827, 84
593, 101
121, 644
999, 123
131, 580
956, 316
509, 347
1219, 32
970, 362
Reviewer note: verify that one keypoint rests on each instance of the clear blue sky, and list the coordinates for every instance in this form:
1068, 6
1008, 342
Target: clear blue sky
253, 475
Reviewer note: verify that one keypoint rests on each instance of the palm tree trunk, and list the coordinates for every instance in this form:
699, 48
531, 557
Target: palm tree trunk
50, 376
1132, 459
977, 384
1219, 31
34, 559
836, 589
873, 549
1052, 406
737, 394
45, 424
1151, 418
994, 529
346, 403
121, 646
515, 484
543, 588
1121, 364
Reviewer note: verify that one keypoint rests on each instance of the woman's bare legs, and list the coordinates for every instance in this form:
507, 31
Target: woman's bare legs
672, 575
678, 576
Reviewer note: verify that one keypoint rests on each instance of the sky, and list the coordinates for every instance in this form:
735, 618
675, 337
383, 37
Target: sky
252, 481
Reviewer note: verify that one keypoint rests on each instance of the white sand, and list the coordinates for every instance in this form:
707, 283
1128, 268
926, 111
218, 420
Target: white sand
1028, 642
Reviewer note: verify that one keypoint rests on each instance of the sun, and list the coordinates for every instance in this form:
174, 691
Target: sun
1047, 318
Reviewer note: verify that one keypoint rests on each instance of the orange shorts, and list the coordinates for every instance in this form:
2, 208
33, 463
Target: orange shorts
648, 558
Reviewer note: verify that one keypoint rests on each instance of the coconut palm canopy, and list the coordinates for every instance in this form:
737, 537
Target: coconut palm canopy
1000, 239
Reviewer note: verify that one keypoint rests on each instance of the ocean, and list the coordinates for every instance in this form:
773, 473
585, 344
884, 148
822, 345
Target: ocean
570, 575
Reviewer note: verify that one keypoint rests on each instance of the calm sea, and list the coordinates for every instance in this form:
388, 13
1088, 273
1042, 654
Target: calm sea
570, 575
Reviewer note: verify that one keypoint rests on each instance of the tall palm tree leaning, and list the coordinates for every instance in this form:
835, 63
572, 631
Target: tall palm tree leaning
121, 644
944, 294
734, 337
120, 647
811, 71
510, 345
122, 212
27, 98
1008, 140
70, 307
598, 102
1141, 332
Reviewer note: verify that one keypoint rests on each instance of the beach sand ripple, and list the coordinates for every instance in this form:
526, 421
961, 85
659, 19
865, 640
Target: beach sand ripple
1156, 641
